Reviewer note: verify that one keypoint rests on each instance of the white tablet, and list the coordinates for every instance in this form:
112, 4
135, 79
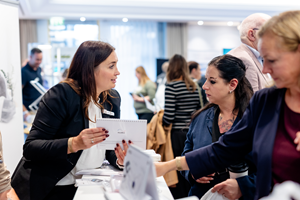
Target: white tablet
134, 130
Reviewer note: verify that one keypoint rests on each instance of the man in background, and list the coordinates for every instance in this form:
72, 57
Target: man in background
248, 53
195, 74
31, 71
161, 78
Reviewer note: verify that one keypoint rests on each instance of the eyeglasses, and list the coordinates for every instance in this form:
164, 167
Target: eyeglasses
255, 29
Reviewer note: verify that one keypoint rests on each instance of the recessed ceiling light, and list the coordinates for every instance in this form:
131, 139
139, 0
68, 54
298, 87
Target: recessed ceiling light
125, 19
229, 23
200, 23
82, 19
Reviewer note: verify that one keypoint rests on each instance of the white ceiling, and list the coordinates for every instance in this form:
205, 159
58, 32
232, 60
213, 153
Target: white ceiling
159, 10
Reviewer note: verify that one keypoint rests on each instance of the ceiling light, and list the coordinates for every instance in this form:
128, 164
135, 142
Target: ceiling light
44, 46
82, 19
125, 20
200, 23
229, 23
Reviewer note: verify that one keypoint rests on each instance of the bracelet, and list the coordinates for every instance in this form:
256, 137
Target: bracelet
178, 163
70, 145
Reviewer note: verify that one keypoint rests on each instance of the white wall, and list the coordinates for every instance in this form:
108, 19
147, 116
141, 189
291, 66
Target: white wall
42, 31
136, 44
207, 42
12, 131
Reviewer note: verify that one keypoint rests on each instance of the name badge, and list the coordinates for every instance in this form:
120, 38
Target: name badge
108, 112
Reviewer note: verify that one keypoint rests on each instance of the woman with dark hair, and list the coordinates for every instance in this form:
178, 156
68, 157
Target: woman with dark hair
229, 93
64, 135
181, 100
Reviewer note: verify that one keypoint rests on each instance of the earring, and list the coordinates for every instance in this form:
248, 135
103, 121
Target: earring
230, 91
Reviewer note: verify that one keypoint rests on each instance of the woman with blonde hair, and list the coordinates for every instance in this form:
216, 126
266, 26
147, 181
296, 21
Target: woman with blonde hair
181, 100
270, 125
145, 88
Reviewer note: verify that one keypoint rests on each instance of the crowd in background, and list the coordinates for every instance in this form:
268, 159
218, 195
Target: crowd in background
210, 111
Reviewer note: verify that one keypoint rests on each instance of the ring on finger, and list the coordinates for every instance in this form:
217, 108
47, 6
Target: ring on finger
92, 140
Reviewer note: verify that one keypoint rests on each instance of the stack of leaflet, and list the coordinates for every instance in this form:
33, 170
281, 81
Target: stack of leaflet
100, 176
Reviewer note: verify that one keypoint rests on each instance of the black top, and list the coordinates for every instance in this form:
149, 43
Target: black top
30, 94
45, 160
239, 166
180, 103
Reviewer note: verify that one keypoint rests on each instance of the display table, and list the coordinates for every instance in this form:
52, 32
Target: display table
97, 192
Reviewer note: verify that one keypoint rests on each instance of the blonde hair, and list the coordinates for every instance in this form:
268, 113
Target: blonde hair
144, 77
286, 26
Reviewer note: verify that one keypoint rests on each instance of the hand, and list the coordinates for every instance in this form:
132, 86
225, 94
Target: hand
147, 98
137, 98
11, 195
205, 179
88, 138
120, 153
297, 140
229, 189
4, 195
27, 117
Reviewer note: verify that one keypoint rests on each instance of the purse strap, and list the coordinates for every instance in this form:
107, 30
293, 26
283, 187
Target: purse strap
215, 127
200, 95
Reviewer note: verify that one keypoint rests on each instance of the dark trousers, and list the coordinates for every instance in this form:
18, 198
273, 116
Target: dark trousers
147, 116
65, 192
178, 137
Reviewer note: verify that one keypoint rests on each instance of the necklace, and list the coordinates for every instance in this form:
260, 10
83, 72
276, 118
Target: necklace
220, 117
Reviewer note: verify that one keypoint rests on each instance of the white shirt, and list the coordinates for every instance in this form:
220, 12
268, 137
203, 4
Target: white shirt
160, 95
90, 158
260, 59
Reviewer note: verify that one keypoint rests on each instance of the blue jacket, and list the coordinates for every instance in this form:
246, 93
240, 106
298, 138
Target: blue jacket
200, 135
256, 131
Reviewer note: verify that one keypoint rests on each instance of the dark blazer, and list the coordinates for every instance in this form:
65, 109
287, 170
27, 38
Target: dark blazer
256, 131
200, 135
45, 160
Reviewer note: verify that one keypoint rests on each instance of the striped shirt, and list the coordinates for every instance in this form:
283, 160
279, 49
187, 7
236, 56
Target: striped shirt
180, 103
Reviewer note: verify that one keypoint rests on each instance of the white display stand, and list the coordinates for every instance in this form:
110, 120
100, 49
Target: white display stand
138, 176
12, 131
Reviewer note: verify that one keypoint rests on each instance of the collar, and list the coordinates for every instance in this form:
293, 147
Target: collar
255, 52
209, 118
30, 68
